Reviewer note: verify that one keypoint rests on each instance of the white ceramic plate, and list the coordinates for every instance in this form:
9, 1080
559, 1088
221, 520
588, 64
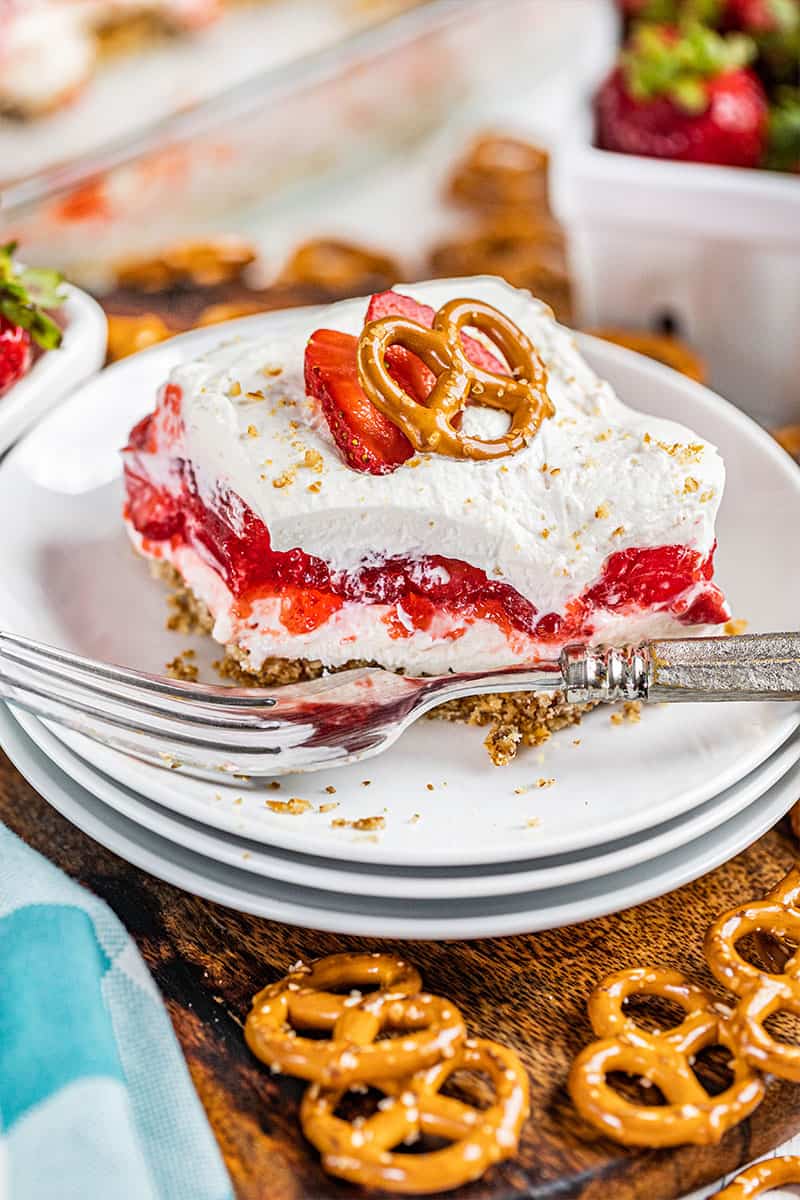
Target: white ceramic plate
392, 881
493, 916
52, 376
71, 579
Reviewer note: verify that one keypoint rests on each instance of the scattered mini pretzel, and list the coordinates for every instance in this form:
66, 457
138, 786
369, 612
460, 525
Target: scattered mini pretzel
762, 1177
429, 426
409, 1070
361, 1153
340, 267
432, 1027
664, 1060
760, 993
501, 171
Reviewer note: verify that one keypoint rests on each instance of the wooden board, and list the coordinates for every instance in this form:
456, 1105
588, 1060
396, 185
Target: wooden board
529, 992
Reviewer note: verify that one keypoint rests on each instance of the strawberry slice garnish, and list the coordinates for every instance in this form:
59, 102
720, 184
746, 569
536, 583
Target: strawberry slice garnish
367, 440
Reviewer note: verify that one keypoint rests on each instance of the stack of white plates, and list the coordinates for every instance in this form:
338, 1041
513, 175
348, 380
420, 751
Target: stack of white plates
602, 817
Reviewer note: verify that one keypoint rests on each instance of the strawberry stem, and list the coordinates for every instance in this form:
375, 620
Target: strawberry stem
662, 61
25, 295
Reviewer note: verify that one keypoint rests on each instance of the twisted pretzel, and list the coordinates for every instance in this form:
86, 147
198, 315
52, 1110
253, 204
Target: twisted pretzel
432, 1026
761, 993
664, 1059
430, 426
362, 1151
762, 1177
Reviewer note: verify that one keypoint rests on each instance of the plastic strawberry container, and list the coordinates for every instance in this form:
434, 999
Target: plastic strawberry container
711, 253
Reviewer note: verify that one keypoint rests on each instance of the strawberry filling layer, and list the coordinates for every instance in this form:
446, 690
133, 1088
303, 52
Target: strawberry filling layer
164, 506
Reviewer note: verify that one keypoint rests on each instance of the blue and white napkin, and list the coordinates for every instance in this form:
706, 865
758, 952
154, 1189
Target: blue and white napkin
95, 1097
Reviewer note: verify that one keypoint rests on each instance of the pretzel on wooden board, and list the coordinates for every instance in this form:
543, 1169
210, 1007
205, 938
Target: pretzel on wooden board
361, 1151
761, 993
431, 1027
664, 1059
762, 1177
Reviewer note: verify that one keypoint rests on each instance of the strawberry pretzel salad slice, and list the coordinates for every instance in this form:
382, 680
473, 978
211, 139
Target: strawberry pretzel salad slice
433, 481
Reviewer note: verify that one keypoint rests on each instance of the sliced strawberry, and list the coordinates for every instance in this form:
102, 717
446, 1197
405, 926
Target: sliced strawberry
15, 353
393, 304
366, 438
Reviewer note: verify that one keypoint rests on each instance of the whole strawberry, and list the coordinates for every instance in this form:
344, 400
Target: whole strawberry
760, 16
24, 297
684, 94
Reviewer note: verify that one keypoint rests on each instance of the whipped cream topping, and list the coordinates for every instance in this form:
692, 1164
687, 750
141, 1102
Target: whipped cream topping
598, 478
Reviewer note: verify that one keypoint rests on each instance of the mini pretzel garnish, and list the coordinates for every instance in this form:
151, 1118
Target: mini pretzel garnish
761, 993
662, 1059
361, 1152
432, 1027
430, 426
762, 1177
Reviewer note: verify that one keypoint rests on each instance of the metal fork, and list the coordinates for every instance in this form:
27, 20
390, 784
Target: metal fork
352, 715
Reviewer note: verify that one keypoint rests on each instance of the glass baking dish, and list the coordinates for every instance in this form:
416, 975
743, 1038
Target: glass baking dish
292, 127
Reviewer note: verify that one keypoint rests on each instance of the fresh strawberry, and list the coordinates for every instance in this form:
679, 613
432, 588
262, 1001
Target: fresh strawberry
684, 95
393, 304
24, 295
748, 16
760, 16
783, 153
366, 438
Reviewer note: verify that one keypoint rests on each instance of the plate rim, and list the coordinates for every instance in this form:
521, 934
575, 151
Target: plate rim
302, 840
22, 750
103, 787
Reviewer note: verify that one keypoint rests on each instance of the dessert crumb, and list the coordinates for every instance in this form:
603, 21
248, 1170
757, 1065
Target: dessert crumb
414, 818
366, 782
532, 822
734, 627
181, 667
632, 711
330, 789
429, 786
295, 806
544, 783
274, 785
576, 741
361, 824
616, 718
329, 807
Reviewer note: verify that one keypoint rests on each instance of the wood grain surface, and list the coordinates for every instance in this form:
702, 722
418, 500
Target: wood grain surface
529, 992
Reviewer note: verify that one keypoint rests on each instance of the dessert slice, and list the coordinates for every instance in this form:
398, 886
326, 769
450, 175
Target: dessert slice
49, 48
379, 485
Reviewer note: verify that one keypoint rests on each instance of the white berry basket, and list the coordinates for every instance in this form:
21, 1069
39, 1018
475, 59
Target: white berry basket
710, 252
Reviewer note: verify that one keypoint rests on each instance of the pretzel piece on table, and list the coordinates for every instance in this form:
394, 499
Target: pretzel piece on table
663, 1059
432, 1027
362, 1151
761, 993
762, 1177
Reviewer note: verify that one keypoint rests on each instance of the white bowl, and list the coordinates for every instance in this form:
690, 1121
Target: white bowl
56, 372
714, 251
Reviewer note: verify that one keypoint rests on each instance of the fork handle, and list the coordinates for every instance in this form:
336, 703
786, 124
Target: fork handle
763, 666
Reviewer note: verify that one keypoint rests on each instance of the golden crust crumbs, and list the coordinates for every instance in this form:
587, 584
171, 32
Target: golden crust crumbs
513, 720
295, 806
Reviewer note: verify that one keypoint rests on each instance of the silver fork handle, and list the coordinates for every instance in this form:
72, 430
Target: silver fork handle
747, 667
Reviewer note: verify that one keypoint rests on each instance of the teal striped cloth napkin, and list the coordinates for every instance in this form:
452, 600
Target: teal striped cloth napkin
95, 1097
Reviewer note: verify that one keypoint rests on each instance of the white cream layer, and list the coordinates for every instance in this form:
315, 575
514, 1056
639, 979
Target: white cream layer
597, 478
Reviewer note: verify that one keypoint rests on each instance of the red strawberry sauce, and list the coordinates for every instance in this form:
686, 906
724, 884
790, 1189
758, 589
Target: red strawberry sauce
164, 506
